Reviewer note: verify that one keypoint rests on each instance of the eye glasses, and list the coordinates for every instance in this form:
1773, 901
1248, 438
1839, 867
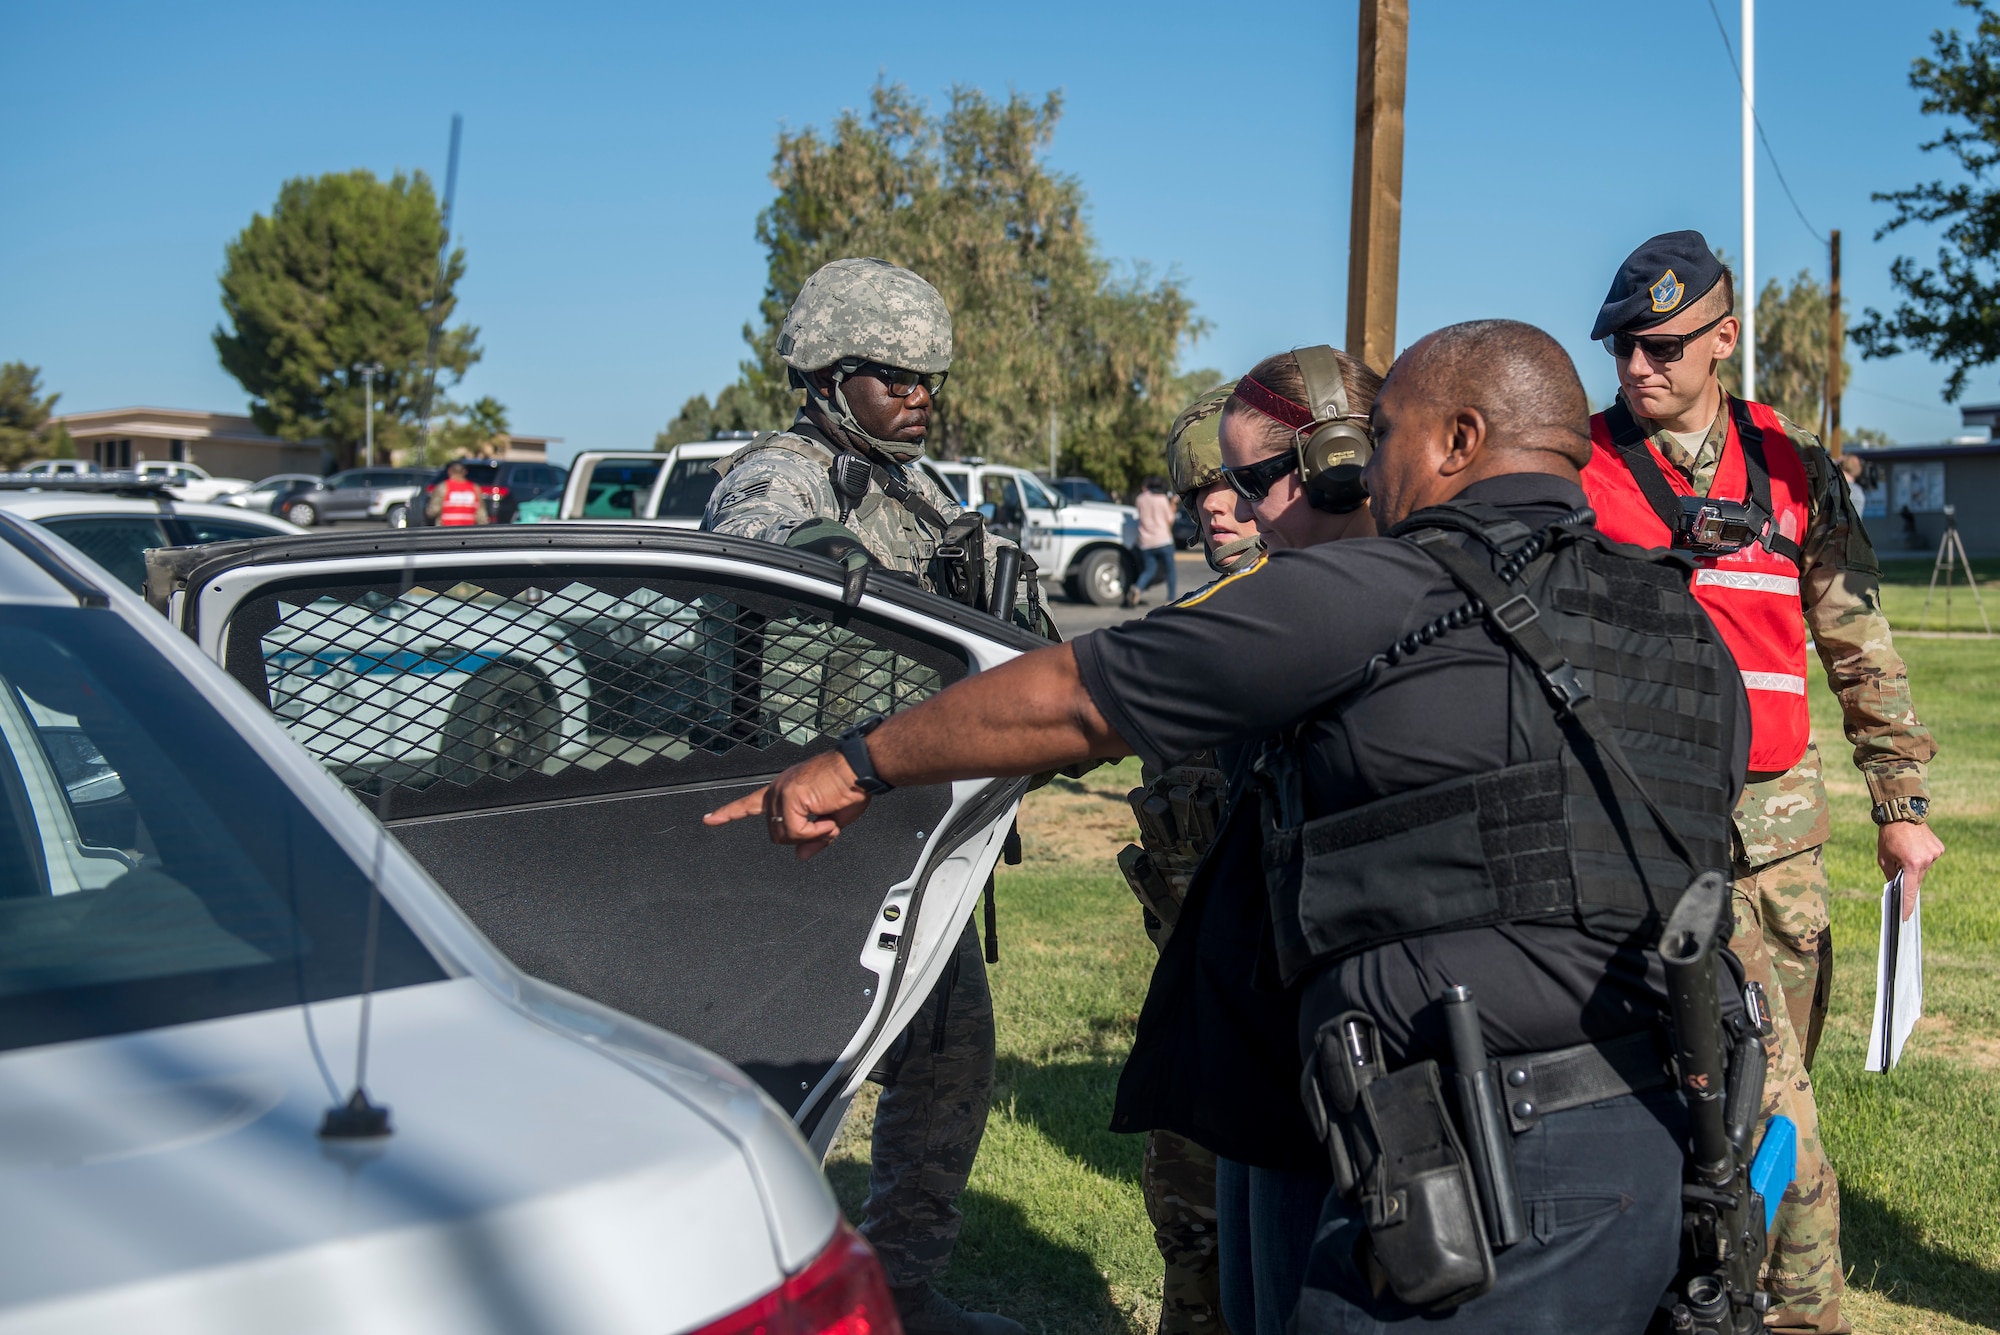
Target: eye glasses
1253, 481
901, 384
1660, 348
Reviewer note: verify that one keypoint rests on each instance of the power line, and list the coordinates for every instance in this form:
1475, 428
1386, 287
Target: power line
1763, 138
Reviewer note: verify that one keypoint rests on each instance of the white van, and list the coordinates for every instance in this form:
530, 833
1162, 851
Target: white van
1087, 546
669, 487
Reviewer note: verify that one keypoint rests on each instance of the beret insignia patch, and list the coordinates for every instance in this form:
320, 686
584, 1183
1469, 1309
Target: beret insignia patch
1667, 293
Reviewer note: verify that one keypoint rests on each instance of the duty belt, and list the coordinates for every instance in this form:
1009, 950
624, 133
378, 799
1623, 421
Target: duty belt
1539, 1083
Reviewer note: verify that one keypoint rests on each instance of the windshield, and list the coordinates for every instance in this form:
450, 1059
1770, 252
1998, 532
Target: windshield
686, 494
153, 870
1082, 489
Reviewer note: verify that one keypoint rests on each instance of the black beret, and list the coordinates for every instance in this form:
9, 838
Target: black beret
1657, 281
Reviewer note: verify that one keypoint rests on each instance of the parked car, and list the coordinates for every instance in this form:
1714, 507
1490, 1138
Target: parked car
189, 482
203, 933
505, 483
607, 685
60, 468
358, 493
669, 487
271, 494
1087, 547
1078, 489
116, 530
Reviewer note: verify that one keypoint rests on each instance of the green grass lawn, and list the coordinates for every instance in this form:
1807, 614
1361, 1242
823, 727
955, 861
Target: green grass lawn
1056, 1234
1906, 582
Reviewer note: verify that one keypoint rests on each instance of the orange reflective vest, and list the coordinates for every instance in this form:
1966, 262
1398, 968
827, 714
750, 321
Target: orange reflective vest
1752, 594
460, 504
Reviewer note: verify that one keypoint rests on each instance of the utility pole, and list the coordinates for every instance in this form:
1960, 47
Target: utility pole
1052, 445
1748, 295
369, 370
1375, 227
1833, 339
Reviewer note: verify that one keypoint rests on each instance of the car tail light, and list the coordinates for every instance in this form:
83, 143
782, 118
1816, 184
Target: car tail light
841, 1292
494, 493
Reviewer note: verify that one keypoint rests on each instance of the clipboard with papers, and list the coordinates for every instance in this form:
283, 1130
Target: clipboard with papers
1899, 977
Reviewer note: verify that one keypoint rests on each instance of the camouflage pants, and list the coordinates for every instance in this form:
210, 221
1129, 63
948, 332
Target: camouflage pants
1791, 897
929, 1122
1178, 1182
1804, 1275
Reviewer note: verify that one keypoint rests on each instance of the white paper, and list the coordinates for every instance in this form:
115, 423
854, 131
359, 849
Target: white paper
1899, 978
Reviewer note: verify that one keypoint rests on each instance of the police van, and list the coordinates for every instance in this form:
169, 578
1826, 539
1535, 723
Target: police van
1087, 546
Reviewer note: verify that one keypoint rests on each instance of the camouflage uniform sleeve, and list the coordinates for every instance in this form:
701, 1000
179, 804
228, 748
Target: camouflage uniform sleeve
767, 495
1841, 590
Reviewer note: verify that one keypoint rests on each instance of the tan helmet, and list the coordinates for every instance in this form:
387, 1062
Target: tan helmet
1194, 443
869, 309
864, 310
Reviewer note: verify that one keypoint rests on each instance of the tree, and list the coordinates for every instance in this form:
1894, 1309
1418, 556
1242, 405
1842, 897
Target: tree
343, 272
479, 428
1953, 311
1044, 326
737, 408
25, 430
1791, 350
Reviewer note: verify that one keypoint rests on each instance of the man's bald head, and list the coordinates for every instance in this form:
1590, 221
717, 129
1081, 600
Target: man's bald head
1514, 375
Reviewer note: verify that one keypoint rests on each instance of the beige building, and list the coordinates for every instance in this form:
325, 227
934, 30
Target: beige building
225, 444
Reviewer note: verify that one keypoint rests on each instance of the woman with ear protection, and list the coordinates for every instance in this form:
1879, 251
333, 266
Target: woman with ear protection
1216, 1060
1294, 439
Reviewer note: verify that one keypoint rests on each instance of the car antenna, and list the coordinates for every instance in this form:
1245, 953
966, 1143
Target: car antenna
360, 1118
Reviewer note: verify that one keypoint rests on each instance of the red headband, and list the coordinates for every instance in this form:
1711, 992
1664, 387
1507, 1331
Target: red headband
1272, 404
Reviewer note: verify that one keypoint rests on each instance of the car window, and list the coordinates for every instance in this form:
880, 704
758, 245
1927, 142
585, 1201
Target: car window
960, 485
1083, 489
116, 542
617, 490
688, 488
998, 490
1032, 490
476, 689
348, 481
153, 869
219, 530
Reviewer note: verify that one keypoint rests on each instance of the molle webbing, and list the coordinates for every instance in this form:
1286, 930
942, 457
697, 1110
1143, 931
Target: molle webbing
1608, 795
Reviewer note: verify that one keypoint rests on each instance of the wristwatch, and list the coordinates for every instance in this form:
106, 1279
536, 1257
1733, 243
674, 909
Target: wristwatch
854, 747
1916, 810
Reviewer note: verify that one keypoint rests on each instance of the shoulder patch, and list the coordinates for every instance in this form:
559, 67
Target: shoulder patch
1203, 595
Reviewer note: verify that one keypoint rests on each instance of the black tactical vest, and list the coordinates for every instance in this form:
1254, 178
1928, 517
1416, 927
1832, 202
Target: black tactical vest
1613, 797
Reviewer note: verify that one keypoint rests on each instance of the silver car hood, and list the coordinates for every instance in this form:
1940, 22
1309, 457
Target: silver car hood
172, 1180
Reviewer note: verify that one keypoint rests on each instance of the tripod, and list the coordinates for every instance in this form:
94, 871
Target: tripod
1951, 555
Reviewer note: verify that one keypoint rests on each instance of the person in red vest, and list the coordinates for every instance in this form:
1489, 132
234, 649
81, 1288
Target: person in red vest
1779, 553
458, 501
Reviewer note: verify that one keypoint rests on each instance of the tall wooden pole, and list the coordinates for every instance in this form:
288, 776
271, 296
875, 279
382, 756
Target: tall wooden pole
1833, 340
1374, 238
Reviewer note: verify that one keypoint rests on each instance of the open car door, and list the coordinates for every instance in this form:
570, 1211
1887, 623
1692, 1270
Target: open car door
541, 715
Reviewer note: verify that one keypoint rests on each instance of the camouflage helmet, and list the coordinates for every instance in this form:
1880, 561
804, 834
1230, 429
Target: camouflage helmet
869, 309
1194, 444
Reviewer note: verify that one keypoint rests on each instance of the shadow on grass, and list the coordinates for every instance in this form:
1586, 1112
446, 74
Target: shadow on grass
1884, 1251
1070, 1103
1003, 1263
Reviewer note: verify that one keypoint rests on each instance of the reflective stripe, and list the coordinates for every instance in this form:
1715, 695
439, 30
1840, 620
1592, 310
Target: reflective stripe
1783, 682
1744, 579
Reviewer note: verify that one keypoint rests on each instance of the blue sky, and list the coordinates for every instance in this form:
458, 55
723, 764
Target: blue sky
615, 159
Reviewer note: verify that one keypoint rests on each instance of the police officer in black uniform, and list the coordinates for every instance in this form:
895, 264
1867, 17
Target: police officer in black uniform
1493, 750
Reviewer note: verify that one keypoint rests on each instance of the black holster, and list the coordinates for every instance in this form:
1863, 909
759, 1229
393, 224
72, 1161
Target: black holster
958, 565
1396, 1153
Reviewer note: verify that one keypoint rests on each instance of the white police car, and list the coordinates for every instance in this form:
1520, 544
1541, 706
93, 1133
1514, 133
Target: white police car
203, 931
1087, 547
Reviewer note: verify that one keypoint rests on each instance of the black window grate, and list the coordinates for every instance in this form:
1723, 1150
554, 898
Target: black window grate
478, 692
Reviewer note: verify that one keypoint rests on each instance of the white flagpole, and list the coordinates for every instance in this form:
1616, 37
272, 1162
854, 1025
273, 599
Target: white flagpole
1746, 292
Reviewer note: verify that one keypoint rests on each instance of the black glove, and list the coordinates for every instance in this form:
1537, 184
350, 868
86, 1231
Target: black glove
836, 542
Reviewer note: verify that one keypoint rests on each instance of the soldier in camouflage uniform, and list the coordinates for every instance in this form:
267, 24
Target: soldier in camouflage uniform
1178, 811
870, 343
1782, 932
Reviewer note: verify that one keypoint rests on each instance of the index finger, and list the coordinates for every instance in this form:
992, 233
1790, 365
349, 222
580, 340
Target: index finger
751, 804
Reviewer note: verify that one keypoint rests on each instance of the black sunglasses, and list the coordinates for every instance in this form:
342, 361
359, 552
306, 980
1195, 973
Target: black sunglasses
1660, 348
1253, 481
901, 383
